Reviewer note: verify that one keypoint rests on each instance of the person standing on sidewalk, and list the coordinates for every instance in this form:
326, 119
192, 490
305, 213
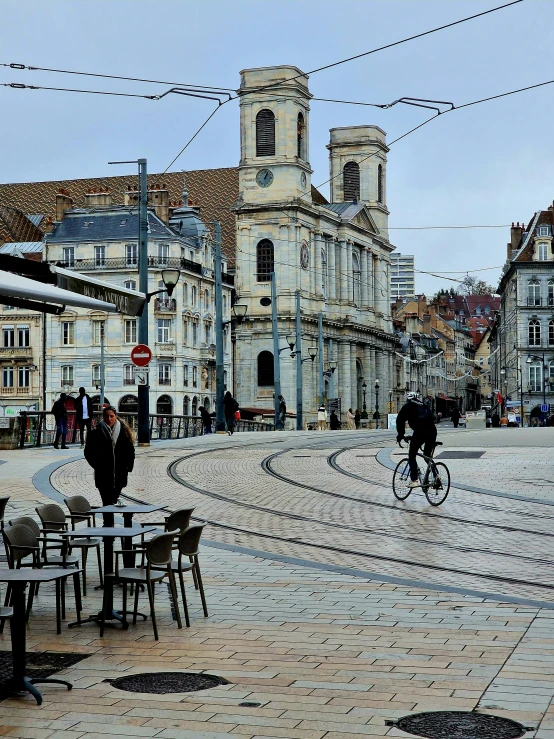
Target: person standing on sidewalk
358, 418
60, 417
83, 413
455, 416
206, 420
350, 420
110, 451
282, 413
230, 407
334, 422
321, 418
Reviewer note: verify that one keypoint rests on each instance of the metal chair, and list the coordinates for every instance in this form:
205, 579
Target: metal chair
158, 555
20, 542
187, 544
176, 521
63, 559
80, 510
53, 520
3, 504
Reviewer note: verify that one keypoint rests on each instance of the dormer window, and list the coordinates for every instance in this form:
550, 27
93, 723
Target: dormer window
86, 224
542, 251
543, 230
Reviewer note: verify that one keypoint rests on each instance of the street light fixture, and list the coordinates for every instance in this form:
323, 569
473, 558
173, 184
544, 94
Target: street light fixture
170, 278
376, 415
291, 341
364, 405
240, 311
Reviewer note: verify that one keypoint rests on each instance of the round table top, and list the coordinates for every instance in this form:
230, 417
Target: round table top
131, 508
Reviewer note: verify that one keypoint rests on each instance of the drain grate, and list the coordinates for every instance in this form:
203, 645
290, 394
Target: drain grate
460, 725
167, 682
459, 455
39, 665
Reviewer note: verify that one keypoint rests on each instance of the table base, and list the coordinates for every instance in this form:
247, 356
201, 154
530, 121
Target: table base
28, 684
97, 618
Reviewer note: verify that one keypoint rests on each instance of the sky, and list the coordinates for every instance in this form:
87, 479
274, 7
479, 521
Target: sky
485, 165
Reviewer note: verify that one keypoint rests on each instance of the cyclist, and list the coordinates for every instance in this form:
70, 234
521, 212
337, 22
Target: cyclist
419, 416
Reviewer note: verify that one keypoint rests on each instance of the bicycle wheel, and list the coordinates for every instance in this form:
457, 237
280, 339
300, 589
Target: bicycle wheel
438, 487
401, 479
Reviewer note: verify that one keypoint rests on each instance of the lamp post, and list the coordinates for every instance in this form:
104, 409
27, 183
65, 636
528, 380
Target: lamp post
376, 414
364, 406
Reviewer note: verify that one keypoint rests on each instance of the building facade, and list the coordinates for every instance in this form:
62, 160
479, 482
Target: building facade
402, 275
522, 339
100, 240
336, 254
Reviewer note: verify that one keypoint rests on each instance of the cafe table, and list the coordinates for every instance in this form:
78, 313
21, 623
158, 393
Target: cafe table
18, 580
108, 534
128, 511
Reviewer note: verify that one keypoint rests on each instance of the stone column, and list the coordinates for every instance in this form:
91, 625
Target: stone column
354, 376
375, 282
343, 379
364, 287
332, 276
349, 273
343, 276
318, 263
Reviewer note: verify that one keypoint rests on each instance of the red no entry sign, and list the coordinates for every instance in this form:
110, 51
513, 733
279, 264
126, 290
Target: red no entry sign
141, 355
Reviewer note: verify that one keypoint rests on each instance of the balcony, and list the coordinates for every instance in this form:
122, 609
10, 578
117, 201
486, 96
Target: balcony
534, 302
15, 390
164, 381
129, 381
88, 265
22, 353
165, 305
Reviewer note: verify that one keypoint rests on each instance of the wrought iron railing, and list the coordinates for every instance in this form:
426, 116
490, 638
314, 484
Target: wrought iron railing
38, 428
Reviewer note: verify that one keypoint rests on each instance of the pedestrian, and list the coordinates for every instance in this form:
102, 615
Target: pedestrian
455, 416
230, 407
358, 418
83, 413
60, 417
504, 421
350, 420
282, 413
321, 418
110, 451
334, 421
206, 420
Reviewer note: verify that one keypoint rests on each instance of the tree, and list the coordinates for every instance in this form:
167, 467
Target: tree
474, 286
442, 293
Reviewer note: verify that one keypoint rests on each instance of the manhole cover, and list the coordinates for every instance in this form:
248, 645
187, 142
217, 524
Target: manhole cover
459, 455
168, 682
460, 725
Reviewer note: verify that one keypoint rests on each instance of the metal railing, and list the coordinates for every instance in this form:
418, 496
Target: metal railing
38, 428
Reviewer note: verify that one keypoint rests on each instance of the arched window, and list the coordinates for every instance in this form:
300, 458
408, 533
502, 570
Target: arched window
265, 133
265, 369
301, 137
534, 292
194, 409
264, 260
535, 377
351, 181
380, 183
206, 300
128, 404
186, 406
356, 279
551, 333
164, 405
207, 404
534, 332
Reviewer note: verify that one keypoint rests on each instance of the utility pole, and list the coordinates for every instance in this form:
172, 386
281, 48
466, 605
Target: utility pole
219, 367
320, 358
276, 350
298, 350
143, 391
102, 365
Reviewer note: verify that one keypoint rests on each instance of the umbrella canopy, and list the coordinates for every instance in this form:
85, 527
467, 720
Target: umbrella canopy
15, 286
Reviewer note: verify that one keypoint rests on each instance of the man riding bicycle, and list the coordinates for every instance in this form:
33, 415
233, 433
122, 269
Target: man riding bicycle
419, 416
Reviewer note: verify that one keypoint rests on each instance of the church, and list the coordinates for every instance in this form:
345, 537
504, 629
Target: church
335, 254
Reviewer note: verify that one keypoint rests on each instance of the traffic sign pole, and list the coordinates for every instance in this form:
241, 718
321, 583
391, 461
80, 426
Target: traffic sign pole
143, 391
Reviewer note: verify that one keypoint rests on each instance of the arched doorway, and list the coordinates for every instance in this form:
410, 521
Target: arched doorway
194, 410
186, 406
535, 416
128, 408
96, 403
207, 404
164, 405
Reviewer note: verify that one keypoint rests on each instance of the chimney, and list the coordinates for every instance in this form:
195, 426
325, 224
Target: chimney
64, 202
158, 198
98, 197
49, 226
426, 323
131, 195
421, 305
411, 322
515, 238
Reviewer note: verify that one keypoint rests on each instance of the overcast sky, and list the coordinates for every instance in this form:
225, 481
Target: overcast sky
488, 164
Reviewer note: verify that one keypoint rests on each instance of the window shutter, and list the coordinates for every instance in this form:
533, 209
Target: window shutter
265, 133
351, 181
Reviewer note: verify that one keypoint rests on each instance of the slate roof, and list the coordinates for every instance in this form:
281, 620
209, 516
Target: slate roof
345, 210
114, 224
216, 191
546, 217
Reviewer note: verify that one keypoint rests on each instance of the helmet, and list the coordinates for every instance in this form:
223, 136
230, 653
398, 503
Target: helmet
412, 395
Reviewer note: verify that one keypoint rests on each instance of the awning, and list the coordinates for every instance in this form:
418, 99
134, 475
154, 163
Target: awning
15, 286
128, 302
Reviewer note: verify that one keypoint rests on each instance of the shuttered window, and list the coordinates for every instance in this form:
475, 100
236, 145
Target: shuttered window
264, 260
301, 137
351, 181
265, 134
380, 183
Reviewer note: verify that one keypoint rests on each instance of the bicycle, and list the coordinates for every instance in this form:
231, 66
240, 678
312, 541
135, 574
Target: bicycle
435, 482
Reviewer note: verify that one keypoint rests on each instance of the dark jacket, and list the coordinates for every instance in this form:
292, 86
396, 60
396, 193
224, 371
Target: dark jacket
205, 416
454, 415
230, 405
111, 466
419, 418
79, 406
334, 421
59, 410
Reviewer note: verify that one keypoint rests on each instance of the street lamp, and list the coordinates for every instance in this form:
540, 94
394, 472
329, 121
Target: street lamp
312, 351
376, 414
240, 311
364, 406
291, 341
170, 278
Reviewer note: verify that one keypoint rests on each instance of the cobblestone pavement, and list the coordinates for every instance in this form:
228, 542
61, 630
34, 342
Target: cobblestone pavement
326, 653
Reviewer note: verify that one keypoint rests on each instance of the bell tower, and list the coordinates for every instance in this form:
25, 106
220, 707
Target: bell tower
274, 128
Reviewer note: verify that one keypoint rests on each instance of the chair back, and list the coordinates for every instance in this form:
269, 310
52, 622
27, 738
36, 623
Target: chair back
78, 504
52, 516
159, 549
3, 504
190, 539
19, 536
178, 520
27, 521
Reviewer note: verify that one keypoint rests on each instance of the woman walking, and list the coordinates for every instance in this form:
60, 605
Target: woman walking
230, 407
358, 418
110, 451
350, 422
321, 418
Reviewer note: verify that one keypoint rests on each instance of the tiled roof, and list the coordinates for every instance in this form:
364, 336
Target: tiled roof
15, 226
546, 217
216, 191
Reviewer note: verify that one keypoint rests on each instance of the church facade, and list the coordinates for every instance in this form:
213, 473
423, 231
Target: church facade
335, 254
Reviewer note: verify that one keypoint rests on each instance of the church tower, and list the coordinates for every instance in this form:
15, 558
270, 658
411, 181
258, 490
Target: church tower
358, 166
274, 126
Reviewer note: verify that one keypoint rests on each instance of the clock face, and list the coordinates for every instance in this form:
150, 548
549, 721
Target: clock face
264, 178
303, 179
304, 256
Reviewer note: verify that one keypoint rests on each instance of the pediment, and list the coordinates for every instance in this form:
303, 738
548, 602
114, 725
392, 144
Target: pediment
364, 220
